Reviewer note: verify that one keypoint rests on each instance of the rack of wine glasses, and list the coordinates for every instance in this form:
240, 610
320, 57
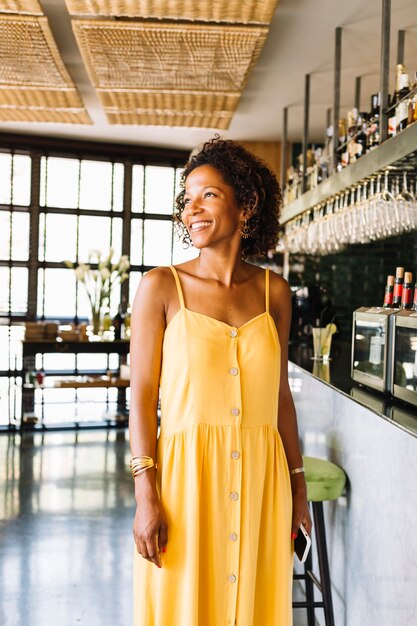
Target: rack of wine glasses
381, 206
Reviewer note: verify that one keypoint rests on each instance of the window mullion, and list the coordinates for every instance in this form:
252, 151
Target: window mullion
126, 225
34, 235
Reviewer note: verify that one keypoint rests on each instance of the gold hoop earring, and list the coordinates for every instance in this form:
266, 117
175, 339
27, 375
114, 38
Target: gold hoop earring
245, 231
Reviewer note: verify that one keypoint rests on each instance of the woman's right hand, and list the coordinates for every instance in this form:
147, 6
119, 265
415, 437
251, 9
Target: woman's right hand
150, 529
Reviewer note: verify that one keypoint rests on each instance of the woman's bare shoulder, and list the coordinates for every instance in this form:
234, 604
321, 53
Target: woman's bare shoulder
156, 285
280, 294
278, 282
157, 276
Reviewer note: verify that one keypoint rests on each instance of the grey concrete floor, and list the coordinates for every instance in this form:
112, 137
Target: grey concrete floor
66, 510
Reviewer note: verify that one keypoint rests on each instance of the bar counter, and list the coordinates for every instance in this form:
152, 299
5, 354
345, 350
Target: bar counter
373, 560
336, 374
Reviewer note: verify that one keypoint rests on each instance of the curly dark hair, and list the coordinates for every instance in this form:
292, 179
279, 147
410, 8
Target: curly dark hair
250, 178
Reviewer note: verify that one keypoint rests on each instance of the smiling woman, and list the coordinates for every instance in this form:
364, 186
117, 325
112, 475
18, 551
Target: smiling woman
217, 507
253, 186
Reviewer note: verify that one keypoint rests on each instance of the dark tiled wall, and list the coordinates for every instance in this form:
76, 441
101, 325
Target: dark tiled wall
357, 276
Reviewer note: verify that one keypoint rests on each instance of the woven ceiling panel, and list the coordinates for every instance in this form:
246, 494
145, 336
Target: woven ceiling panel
170, 108
25, 7
188, 72
220, 121
230, 11
34, 83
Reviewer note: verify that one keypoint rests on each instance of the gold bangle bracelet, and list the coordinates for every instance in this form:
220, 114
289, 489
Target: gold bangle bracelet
297, 470
139, 464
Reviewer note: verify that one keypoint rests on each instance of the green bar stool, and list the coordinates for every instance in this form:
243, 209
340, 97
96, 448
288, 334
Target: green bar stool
325, 481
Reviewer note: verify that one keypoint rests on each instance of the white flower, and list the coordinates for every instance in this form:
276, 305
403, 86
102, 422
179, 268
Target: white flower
110, 256
94, 254
81, 271
105, 273
99, 282
123, 264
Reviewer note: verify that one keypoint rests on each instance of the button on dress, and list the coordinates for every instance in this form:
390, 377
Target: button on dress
222, 478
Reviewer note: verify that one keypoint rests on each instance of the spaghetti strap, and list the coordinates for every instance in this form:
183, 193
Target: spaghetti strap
178, 283
267, 291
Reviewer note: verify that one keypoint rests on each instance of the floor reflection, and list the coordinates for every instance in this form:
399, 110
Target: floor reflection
66, 507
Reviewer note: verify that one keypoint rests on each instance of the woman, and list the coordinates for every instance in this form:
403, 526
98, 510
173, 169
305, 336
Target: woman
215, 519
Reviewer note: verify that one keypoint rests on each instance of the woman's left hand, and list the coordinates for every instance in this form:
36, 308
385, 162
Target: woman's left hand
300, 514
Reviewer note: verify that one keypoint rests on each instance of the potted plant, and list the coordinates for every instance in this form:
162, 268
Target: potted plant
99, 283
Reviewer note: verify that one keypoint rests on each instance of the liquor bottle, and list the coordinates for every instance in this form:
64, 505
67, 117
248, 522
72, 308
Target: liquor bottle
106, 321
389, 292
412, 110
127, 322
393, 100
414, 307
373, 130
118, 324
327, 163
343, 155
392, 118
40, 376
412, 103
398, 287
361, 138
401, 110
352, 129
407, 292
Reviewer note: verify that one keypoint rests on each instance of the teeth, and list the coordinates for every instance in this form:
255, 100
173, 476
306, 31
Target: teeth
198, 225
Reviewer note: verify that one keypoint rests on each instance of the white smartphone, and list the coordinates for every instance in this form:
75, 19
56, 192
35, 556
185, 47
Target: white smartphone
302, 544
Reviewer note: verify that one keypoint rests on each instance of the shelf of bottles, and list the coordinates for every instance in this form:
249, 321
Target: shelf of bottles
371, 191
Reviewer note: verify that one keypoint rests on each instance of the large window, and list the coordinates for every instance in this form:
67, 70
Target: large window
78, 205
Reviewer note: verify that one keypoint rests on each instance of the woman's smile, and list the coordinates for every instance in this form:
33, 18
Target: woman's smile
199, 225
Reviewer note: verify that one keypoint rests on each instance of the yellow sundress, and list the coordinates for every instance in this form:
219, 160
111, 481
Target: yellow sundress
222, 477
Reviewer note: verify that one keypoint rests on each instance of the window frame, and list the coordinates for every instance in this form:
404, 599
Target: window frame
37, 147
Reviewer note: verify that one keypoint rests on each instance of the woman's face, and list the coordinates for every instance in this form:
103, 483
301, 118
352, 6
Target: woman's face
211, 214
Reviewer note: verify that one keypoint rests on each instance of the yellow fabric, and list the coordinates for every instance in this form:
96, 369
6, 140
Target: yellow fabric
222, 477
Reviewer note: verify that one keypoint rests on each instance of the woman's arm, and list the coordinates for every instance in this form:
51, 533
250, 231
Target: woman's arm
147, 332
287, 420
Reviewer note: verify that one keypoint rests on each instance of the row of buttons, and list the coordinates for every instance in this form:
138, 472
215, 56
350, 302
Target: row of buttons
233, 371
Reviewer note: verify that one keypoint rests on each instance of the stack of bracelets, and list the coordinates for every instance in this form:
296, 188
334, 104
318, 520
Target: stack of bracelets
139, 464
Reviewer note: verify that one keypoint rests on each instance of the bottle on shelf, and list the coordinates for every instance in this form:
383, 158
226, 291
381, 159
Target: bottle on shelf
392, 102
361, 137
106, 321
412, 110
392, 118
342, 152
401, 110
414, 101
414, 307
373, 128
356, 137
40, 376
407, 291
118, 324
127, 322
398, 287
389, 292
